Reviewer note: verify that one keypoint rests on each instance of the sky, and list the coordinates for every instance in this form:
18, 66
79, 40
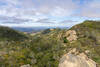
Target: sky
49, 13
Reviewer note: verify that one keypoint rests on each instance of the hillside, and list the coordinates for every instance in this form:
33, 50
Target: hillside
10, 34
46, 48
89, 38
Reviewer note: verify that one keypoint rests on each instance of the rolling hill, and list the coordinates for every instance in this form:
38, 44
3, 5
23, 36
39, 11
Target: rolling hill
46, 48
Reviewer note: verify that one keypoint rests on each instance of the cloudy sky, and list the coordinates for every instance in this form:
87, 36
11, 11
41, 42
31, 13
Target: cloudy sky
51, 13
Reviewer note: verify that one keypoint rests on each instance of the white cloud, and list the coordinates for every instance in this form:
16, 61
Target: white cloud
91, 9
58, 7
59, 12
44, 10
28, 7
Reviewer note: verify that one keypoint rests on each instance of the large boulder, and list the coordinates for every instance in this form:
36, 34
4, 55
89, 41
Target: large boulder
75, 59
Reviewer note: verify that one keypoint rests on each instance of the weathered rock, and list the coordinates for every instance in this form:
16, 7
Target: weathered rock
72, 60
87, 51
28, 65
71, 35
73, 51
71, 32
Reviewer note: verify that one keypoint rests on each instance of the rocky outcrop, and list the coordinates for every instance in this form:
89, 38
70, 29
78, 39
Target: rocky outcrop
28, 65
71, 35
76, 59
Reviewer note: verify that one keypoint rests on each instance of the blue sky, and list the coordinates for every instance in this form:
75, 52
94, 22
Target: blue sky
50, 13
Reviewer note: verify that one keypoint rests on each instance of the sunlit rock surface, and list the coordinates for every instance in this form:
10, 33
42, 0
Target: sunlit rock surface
71, 35
71, 59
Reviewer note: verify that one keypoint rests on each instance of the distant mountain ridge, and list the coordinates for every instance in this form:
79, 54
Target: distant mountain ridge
35, 29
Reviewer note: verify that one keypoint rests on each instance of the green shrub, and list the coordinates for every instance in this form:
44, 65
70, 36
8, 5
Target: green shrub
65, 40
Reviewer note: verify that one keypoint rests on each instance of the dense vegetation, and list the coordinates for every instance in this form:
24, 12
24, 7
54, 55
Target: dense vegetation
44, 49
10, 34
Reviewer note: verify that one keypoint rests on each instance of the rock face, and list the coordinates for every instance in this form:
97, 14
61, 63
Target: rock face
71, 35
72, 60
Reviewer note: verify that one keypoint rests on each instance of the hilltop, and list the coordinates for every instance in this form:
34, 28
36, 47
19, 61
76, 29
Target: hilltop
46, 48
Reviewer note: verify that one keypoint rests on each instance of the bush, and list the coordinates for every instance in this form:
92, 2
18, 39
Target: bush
65, 40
